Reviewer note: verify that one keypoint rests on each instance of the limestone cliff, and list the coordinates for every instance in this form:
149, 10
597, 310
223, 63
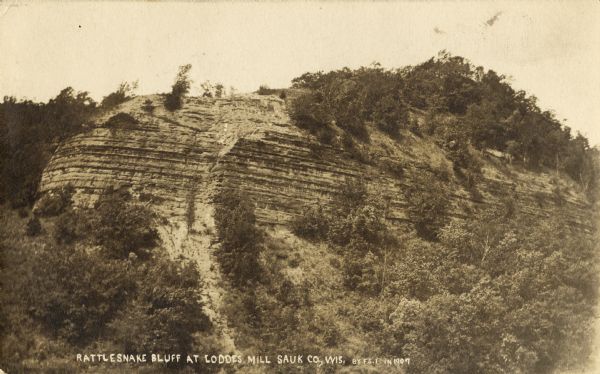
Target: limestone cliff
176, 162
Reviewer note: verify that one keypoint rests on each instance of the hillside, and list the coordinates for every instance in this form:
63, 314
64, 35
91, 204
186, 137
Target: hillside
368, 242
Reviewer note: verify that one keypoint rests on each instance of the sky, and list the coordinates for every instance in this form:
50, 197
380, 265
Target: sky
550, 49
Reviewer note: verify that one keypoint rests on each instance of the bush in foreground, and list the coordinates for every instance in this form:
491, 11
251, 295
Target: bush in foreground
241, 240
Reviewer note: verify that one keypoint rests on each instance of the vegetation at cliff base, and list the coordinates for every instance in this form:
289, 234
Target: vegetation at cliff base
498, 292
94, 279
241, 240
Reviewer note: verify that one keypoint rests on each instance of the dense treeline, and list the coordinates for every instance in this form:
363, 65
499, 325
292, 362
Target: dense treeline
30, 131
501, 294
464, 104
29, 134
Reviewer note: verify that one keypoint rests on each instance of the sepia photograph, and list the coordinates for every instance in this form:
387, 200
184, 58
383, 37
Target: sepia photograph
406, 187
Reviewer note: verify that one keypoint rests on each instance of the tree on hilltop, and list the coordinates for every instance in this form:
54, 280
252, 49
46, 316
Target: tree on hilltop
180, 88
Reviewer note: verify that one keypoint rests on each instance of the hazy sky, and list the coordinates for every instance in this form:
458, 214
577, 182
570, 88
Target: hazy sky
550, 49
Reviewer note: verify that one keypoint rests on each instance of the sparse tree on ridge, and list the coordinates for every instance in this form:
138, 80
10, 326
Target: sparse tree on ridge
123, 93
180, 88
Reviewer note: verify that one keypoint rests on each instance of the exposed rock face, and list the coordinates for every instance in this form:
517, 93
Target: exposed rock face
172, 158
176, 161
165, 154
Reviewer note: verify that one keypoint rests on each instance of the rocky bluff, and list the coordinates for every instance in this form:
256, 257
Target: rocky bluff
177, 161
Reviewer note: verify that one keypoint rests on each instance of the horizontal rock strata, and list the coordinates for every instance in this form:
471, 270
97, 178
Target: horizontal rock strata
248, 142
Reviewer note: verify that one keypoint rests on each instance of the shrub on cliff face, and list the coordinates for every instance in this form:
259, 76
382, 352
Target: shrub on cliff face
123, 121
265, 90
56, 202
428, 205
390, 115
122, 227
352, 194
181, 87
148, 106
121, 95
361, 271
241, 240
309, 113
117, 224
312, 224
